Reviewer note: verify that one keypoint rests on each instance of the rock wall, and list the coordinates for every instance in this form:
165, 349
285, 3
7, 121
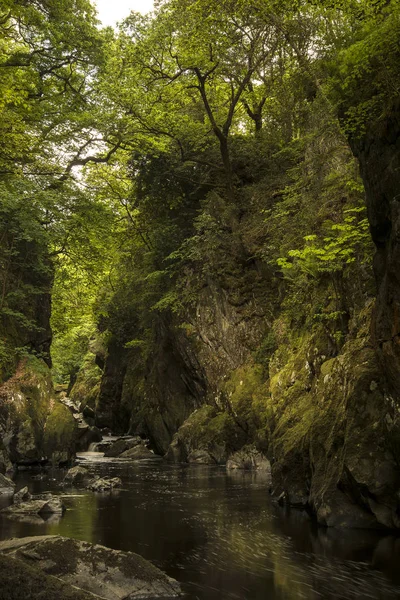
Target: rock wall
378, 153
241, 371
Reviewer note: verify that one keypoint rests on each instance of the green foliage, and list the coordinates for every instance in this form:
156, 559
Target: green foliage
247, 397
349, 241
69, 350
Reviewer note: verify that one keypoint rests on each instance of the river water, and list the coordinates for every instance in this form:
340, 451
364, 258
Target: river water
218, 534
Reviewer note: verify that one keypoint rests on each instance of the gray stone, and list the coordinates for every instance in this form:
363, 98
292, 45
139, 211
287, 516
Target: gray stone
106, 573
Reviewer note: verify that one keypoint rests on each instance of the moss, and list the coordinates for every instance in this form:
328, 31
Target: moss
87, 386
213, 430
19, 581
60, 431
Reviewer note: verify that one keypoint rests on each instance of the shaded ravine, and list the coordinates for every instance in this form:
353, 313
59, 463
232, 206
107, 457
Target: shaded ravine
218, 534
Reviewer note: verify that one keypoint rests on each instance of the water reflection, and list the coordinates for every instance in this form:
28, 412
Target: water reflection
220, 536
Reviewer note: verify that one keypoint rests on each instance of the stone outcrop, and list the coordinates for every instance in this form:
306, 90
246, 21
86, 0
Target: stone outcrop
105, 573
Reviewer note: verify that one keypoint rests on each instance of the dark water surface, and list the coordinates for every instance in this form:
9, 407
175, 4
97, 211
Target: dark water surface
218, 534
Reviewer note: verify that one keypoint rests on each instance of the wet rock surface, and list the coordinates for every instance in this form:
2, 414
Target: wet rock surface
106, 573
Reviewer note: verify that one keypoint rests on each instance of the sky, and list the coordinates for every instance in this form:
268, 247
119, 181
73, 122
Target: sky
111, 11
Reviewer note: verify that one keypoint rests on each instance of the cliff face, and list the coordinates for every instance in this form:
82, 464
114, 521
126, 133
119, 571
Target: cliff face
378, 153
305, 372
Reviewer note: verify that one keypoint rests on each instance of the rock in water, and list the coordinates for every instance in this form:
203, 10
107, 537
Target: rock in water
106, 573
121, 445
77, 476
47, 504
104, 484
139, 453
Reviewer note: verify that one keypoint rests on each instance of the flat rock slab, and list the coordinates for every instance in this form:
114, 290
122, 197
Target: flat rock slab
109, 574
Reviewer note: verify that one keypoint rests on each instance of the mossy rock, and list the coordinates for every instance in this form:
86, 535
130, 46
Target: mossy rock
105, 572
25, 402
60, 434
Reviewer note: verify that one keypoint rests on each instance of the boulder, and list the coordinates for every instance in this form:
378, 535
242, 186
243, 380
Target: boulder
121, 445
46, 504
77, 476
104, 484
139, 453
106, 573
7, 486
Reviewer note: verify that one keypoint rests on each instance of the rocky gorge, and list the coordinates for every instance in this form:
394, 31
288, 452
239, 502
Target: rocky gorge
199, 252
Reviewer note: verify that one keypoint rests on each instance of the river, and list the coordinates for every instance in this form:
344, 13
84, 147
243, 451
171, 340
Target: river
218, 534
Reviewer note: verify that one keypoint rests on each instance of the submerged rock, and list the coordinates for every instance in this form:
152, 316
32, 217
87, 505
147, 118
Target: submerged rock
106, 573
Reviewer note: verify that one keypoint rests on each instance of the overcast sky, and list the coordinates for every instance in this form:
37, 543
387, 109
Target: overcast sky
111, 11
